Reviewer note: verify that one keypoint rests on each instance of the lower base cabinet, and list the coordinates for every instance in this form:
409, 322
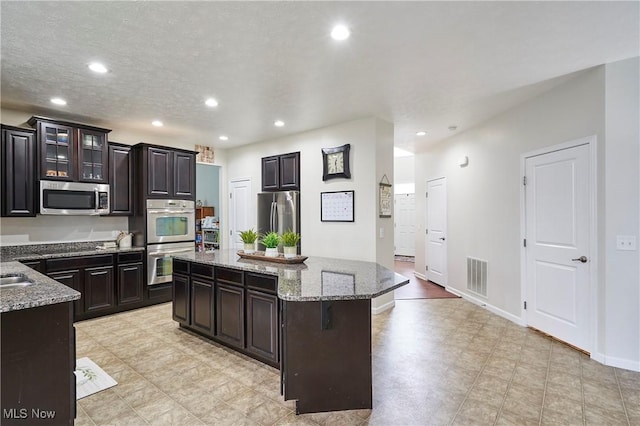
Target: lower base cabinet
230, 314
108, 283
37, 359
238, 309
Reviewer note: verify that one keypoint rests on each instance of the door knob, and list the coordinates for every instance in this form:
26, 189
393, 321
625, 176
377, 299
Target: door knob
582, 259
442, 238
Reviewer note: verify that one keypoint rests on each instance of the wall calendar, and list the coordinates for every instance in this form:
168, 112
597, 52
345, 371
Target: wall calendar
337, 206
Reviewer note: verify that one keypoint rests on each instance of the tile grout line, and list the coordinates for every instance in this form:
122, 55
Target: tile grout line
504, 398
546, 380
475, 380
624, 405
584, 406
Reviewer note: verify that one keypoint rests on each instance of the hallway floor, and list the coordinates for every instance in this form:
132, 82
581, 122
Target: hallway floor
435, 362
417, 287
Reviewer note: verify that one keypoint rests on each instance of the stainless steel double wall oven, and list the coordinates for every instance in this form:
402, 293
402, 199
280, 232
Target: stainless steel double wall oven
170, 229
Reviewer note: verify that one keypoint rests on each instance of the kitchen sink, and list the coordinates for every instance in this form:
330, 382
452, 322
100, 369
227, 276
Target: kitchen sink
14, 281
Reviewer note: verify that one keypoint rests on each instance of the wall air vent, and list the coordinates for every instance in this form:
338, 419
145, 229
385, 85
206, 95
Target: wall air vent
477, 276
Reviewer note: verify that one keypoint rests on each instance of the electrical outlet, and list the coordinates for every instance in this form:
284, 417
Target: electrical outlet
626, 242
381, 232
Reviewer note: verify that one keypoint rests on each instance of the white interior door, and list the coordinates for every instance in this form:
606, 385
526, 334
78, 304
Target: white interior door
557, 220
240, 210
436, 238
405, 216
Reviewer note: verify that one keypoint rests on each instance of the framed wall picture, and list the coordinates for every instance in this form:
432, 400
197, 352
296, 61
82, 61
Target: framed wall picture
337, 206
335, 162
385, 197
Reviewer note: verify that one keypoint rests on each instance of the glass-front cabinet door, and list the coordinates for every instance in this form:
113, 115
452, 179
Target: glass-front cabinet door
93, 153
58, 161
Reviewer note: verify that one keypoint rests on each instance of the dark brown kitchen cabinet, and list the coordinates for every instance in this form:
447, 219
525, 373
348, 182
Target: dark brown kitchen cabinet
202, 307
130, 278
37, 359
71, 151
36, 265
181, 299
121, 179
262, 325
99, 289
92, 276
72, 279
230, 314
167, 172
18, 172
281, 172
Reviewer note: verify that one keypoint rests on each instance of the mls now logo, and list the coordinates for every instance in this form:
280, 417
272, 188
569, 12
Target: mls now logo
23, 413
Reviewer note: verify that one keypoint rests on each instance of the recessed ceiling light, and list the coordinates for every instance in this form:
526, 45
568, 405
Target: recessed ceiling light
157, 123
211, 102
58, 101
340, 32
421, 133
224, 138
98, 67
278, 123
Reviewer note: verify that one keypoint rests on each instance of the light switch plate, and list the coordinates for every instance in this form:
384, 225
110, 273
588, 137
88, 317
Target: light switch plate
381, 232
626, 242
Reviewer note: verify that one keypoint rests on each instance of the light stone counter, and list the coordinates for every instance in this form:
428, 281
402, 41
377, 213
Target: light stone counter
43, 291
317, 279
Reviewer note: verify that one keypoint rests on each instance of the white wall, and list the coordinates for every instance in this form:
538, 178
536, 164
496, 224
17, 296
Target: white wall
370, 158
622, 213
483, 204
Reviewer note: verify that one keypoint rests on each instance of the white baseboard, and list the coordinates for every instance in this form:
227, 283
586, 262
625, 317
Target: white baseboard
627, 364
382, 308
504, 314
421, 276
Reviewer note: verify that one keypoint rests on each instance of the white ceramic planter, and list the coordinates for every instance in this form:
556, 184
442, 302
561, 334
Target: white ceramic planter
290, 252
249, 248
271, 252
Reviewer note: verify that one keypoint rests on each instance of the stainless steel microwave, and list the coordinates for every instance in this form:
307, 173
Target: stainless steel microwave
73, 198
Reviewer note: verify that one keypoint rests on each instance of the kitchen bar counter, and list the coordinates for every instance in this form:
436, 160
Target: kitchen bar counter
44, 290
318, 326
317, 279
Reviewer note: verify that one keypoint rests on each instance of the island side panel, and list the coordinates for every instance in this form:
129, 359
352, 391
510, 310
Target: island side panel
327, 355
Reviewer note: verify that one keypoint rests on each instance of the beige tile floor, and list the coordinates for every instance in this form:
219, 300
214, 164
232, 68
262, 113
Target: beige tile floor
439, 361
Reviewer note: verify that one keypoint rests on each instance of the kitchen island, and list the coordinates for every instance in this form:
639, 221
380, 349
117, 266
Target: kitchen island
37, 355
311, 320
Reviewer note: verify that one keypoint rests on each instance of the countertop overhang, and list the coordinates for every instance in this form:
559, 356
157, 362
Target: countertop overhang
317, 279
44, 290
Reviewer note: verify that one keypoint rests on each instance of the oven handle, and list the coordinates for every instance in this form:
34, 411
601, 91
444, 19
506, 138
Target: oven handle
164, 253
169, 211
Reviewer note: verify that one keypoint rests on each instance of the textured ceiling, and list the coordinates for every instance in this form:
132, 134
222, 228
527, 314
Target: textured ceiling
420, 65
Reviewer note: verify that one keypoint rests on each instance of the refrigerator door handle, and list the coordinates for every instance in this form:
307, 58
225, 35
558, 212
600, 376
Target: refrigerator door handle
272, 223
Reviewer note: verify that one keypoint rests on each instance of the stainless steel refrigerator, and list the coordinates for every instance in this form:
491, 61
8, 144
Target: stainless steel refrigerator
278, 212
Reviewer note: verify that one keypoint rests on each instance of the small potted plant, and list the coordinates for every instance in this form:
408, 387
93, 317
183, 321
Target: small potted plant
271, 242
249, 238
290, 243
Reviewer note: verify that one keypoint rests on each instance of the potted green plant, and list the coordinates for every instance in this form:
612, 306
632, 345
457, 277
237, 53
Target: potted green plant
249, 238
290, 243
271, 241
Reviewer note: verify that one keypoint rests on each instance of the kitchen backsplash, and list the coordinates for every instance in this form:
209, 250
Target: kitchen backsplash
60, 229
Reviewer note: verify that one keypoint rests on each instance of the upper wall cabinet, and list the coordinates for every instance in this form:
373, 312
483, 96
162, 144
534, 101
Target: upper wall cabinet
71, 151
18, 172
167, 172
281, 172
121, 179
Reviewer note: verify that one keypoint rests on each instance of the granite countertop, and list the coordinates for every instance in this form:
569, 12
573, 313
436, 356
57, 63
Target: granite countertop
49, 251
317, 279
43, 291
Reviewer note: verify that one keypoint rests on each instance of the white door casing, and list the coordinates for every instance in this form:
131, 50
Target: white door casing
436, 237
405, 217
240, 210
558, 199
